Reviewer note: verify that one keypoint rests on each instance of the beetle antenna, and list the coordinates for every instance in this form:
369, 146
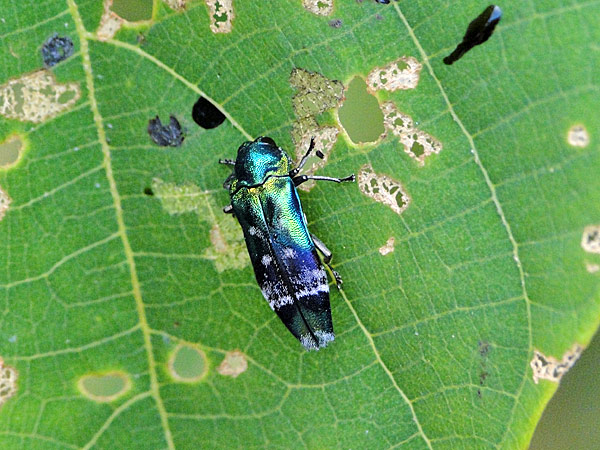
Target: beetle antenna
295, 171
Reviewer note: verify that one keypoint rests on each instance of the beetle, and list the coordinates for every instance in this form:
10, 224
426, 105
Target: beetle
264, 199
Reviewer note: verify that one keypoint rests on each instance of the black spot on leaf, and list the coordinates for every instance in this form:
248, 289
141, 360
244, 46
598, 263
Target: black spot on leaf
206, 114
148, 191
166, 135
56, 49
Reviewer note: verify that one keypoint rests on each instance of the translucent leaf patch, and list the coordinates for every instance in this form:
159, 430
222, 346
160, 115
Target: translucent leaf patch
549, 368
383, 189
36, 97
110, 23
234, 364
400, 74
318, 7
221, 15
4, 203
590, 241
417, 144
578, 136
8, 382
324, 138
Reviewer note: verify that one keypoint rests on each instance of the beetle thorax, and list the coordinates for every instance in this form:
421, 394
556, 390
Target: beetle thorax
256, 161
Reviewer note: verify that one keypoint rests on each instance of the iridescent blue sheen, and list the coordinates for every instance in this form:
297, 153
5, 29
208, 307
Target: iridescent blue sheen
285, 261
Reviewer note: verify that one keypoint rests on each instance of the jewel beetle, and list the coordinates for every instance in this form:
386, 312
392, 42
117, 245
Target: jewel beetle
283, 252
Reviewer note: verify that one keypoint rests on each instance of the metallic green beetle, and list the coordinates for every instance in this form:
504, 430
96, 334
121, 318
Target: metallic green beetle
283, 253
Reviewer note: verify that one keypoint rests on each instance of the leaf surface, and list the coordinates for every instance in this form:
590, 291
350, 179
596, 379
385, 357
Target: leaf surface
433, 340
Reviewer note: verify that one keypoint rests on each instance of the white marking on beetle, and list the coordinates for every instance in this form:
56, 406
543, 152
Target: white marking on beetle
320, 289
417, 144
289, 253
221, 15
549, 368
388, 247
308, 342
266, 260
318, 7
383, 189
36, 97
400, 74
590, 241
578, 136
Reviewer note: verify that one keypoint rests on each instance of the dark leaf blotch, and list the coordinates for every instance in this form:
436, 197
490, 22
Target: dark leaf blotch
56, 49
166, 135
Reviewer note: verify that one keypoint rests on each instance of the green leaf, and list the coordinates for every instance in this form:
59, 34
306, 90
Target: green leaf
104, 288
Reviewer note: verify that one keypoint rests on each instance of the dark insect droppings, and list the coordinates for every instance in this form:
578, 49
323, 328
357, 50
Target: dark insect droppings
478, 31
166, 135
148, 191
206, 114
56, 49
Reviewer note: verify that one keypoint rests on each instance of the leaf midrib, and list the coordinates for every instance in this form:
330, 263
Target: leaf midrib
87, 67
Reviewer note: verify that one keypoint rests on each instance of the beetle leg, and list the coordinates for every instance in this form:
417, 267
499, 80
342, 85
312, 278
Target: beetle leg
302, 178
228, 209
227, 182
322, 248
295, 171
228, 162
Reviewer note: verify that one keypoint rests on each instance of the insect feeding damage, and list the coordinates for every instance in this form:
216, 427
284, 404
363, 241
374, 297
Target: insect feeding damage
549, 368
110, 23
105, 387
284, 255
221, 15
234, 364
315, 94
176, 5
417, 144
4, 202
324, 140
36, 97
578, 136
228, 250
590, 241
388, 247
318, 7
383, 189
401, 74
8, 382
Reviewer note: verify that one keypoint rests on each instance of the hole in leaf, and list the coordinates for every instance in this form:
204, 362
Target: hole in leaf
206, 114
360, 114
